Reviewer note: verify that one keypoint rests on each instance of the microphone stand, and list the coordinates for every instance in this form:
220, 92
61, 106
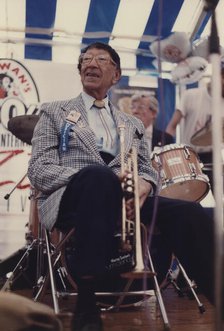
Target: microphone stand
7, 196
217, 168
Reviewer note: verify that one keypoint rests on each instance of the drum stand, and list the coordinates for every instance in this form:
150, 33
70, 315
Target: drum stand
171, 278
32, 244
21, 266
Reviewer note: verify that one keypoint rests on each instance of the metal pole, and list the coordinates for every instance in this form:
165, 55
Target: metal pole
217, 169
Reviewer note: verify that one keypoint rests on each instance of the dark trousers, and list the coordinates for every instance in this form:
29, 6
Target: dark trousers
92, 204
188, 231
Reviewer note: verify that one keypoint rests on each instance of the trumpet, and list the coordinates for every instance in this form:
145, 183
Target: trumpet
129, 227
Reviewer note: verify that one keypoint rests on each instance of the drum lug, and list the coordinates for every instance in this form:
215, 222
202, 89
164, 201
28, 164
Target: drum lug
161, 171
158, 161
186, 153
162, 174
201, 165
192, 169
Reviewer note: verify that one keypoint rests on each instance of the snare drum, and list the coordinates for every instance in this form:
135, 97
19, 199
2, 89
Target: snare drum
180, 172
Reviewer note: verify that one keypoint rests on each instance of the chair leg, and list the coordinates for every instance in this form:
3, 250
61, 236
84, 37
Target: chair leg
51, 274
158, 294
55, 262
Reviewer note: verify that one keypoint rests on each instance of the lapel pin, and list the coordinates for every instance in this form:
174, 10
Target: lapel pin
73, 116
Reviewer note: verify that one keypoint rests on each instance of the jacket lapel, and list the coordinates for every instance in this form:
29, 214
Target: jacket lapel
76, 105
81, 126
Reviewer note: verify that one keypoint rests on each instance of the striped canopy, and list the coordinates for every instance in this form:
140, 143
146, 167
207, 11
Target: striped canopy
56, 30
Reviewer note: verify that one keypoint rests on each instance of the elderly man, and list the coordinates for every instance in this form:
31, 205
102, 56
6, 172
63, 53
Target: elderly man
76, 167
146, 108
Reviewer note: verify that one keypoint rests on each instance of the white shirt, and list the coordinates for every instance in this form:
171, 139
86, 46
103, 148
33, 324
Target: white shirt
196, 109
102, 123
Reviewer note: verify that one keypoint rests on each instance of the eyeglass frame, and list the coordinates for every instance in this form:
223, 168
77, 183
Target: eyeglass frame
143, 108
107, 57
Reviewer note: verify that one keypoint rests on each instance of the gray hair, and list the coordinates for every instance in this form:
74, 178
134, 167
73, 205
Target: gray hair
153, 102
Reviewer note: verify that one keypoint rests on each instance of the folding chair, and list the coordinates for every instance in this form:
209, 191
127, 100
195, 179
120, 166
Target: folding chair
62, 284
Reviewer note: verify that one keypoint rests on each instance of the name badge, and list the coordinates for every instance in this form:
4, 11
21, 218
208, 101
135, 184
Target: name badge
73, 116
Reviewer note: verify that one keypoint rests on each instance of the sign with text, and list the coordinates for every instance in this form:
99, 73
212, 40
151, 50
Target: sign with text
23, 87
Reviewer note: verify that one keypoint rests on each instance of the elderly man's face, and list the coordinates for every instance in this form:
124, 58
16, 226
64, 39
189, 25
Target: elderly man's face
141, 109
98, 72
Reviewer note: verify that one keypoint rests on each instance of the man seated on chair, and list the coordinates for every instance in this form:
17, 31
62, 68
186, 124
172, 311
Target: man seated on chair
76, 167
146, 108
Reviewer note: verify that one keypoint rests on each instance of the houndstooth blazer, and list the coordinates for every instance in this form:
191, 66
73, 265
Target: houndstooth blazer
50, 169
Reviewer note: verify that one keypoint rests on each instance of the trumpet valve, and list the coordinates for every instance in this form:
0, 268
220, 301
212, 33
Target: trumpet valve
128, 186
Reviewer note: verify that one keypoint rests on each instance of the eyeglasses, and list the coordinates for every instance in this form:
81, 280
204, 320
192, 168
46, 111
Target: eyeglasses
143, 108
139, 107
101, 60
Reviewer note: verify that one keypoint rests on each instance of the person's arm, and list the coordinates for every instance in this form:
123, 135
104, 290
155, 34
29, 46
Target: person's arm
175, 120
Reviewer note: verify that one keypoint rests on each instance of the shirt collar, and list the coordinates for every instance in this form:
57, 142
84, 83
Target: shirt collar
88, 101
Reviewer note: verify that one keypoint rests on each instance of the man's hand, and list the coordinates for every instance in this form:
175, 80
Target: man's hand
144, 190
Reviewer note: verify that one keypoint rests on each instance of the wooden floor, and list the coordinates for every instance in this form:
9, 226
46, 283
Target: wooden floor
182, 312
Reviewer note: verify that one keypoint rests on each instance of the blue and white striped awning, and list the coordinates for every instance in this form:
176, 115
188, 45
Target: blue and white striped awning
56, 30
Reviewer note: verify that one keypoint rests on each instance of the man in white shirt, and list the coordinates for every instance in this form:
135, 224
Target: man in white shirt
194, 112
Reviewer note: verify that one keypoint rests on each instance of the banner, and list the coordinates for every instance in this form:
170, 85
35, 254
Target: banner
23, 87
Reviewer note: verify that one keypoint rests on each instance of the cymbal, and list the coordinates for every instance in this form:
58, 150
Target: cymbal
23, 126
203, 137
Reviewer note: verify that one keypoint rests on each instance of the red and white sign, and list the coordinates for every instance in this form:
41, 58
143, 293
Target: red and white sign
23, 86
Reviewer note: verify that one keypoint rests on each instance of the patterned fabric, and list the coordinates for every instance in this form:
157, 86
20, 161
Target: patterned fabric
50, 169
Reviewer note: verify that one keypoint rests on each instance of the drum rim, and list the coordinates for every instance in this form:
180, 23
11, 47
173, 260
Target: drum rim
162, 149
